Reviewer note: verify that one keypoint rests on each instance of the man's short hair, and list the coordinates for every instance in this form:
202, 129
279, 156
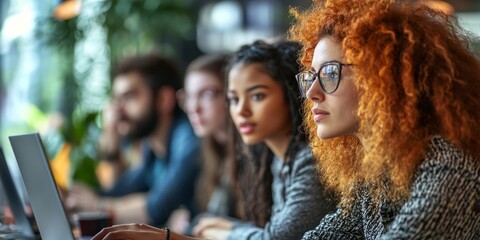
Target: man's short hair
156, 70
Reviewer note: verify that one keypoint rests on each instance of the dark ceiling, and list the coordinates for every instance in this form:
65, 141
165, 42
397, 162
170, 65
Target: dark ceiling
465, 5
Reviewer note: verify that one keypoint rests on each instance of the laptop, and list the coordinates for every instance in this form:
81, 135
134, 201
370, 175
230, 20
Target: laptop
23, 228
52, 220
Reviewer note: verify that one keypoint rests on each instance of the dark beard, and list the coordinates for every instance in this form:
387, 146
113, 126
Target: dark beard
145, 126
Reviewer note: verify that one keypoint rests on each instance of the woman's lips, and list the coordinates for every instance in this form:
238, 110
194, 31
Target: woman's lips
319, 114
246, 128
196, 120
197, 123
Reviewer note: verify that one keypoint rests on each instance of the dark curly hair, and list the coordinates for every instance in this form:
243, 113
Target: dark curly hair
415, 78
251, 167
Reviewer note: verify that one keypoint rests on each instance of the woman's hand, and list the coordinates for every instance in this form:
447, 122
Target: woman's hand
214, 228
136, 231
215, 234
131, 231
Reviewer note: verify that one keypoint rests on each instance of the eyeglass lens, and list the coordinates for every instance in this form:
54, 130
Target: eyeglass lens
305, 80
329, 76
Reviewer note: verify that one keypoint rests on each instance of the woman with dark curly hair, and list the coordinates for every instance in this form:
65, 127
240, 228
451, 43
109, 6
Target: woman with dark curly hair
393, 118
274, 168
279, 196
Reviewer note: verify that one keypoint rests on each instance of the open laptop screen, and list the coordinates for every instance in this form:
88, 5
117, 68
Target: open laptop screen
47, 206
23, 224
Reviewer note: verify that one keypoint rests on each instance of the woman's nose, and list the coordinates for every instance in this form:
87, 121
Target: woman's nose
315, 93
243, 108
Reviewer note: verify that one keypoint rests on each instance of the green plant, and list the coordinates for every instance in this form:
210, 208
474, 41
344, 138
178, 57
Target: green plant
132, 27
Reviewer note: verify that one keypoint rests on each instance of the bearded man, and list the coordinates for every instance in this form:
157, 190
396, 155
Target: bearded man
144, 110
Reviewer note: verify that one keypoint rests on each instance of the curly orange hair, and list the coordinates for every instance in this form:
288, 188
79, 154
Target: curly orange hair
415, 78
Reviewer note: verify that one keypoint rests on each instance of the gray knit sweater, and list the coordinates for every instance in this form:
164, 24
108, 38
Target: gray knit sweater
298, 201
441, 204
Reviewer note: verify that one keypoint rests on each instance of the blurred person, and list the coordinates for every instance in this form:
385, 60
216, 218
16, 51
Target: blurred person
393, 119
203, 100
279, 193
143, 95
118, 153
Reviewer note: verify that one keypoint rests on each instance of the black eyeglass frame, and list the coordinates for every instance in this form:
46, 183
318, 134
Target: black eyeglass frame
316, 74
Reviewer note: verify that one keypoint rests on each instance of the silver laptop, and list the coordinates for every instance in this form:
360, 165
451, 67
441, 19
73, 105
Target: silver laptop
23, 228
42, 191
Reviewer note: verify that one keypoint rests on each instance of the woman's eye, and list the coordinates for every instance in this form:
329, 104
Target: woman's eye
333, 75
209, 94
258, 96
232, 100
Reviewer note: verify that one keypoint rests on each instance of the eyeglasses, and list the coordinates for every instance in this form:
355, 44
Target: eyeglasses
329, 76
189, 101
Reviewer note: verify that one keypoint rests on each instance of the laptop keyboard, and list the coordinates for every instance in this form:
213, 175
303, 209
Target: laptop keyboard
8, 232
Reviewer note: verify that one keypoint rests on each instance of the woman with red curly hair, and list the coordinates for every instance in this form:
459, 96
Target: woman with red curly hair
393, 118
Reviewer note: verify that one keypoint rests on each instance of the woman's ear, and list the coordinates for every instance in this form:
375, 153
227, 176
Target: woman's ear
166, 100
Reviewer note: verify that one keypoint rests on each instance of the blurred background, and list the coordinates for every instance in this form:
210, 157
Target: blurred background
56, 57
